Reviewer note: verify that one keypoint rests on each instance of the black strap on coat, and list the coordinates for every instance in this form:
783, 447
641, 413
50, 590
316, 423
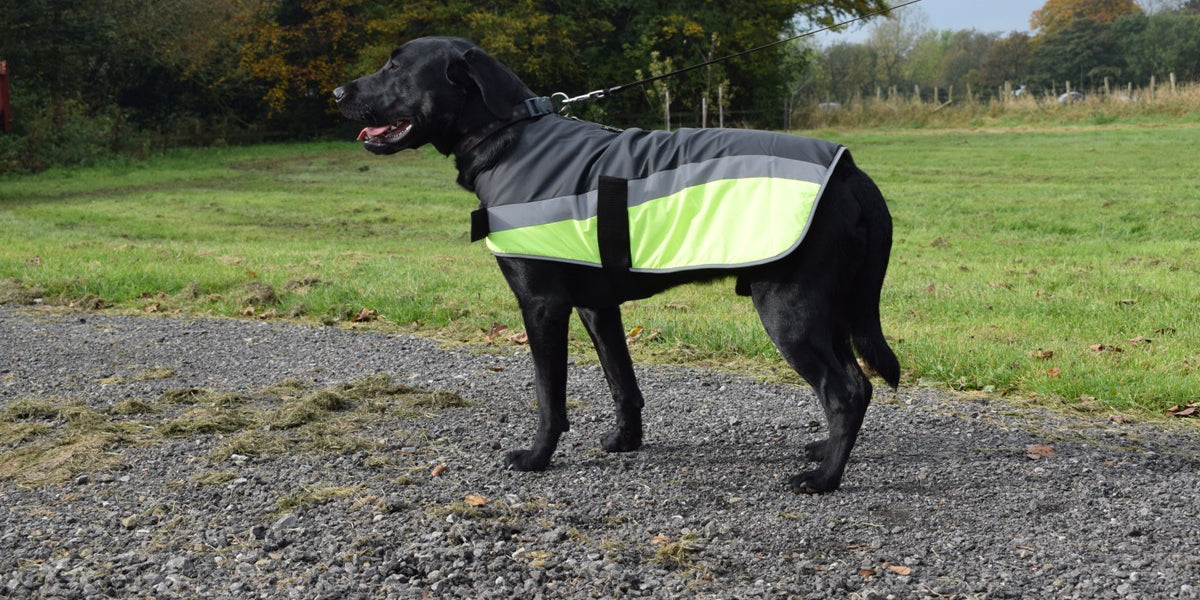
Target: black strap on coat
612, 224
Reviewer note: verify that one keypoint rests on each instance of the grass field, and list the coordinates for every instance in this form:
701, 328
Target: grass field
1059, 265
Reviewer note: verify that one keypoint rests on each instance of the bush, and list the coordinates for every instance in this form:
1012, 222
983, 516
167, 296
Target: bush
62, 132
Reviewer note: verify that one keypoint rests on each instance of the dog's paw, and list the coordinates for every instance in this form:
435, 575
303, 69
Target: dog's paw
526, 460
812, 482
619, 440
816, 451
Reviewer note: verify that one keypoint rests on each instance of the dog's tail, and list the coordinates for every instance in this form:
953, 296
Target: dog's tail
866, 331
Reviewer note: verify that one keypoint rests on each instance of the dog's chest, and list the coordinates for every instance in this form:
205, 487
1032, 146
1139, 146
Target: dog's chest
692, 199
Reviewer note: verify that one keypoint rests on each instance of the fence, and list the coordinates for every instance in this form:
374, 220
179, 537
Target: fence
1062, 101
1156, 90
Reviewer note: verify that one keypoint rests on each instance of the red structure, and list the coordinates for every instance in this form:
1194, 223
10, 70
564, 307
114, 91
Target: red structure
5, 107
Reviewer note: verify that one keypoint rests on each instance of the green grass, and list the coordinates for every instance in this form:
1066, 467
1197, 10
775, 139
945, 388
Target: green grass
1017, 251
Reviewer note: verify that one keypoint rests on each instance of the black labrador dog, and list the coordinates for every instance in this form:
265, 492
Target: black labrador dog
818, 300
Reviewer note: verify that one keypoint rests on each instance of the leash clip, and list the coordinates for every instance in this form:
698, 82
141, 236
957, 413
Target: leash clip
564, 101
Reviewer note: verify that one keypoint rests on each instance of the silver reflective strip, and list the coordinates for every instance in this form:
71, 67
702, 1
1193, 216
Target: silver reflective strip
658, 185
666, 183
553, 210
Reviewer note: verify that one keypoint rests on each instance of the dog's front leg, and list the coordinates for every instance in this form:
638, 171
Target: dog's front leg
608, 336
546, 320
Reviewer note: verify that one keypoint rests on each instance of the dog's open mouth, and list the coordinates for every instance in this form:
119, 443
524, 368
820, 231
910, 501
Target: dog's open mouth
387, 134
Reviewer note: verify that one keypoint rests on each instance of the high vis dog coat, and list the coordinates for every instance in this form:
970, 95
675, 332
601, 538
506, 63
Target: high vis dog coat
652, 201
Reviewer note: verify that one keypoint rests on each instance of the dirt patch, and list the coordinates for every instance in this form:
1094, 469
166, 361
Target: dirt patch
15, 291
50, 441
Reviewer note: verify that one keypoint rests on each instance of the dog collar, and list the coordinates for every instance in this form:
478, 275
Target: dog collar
531, 108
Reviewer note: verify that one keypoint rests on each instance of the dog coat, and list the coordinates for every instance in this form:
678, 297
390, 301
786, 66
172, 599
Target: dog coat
651, 201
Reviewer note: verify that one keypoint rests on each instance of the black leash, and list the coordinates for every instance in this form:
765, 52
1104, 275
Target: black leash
565, 101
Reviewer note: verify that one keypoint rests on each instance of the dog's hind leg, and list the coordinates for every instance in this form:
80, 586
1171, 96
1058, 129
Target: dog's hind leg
608, 336
806, 331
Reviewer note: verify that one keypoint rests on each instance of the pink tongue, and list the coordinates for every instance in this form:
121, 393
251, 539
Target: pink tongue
373, 131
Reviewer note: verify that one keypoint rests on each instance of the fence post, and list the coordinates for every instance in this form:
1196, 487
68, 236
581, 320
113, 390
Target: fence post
721, 106
667, 108
5, 106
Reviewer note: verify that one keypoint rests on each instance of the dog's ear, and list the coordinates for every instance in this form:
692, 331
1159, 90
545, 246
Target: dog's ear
499, 87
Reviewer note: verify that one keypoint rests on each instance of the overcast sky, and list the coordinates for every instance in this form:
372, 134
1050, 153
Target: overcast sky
984, 15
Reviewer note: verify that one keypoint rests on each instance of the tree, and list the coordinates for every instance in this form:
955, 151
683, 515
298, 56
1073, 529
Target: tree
1008, 60
851, 70
1083, 52
299, 49
152, 58
1057, 15
1160, 44
924, 62
576, 47
893, 39
963, 62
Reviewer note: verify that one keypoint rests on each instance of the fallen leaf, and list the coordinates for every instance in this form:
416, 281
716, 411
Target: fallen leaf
898, 569
153, 308
1055, 372
1141, 339
1127, 301
35, 261
519, 338
496, 368
248, 311
475, 500
1042, 354
1104, 348
438, 470
867, 573
494, 332
660, 540
634, 334
365, 315
1188, 411
1039, 451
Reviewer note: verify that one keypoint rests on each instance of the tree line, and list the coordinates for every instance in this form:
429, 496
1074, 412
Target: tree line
91, 78
102, 76
1084, 43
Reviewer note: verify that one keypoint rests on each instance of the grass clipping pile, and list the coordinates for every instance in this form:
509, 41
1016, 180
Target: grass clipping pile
53, 440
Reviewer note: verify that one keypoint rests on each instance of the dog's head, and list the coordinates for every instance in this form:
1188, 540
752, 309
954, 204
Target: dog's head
432, 90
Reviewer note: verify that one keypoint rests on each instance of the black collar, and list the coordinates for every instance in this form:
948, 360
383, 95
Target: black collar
529, 109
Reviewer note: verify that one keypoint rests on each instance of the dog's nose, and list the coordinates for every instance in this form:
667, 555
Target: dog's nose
338, 94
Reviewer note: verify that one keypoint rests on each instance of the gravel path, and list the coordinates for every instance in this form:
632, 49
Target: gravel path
945, 496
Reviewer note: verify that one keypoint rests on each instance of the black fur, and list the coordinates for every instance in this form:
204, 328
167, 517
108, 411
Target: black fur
818, 304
